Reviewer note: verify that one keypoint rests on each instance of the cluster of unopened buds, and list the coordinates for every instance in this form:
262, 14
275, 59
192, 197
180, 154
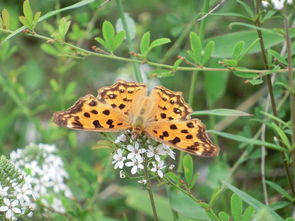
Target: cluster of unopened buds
277, 4
136, 154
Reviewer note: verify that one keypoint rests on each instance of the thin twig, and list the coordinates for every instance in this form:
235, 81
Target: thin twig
212, 10
129, 41
85, 52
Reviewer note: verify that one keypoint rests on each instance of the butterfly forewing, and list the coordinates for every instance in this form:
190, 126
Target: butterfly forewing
90, 114
186, 135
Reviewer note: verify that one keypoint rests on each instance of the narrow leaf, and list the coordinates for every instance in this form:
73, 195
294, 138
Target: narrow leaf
196, 46
159, 42
221, 112
224, 216
119, 39
108, 31
280, 190
277, 56
248, 214
247, 140
36, 17
188, 168
28, 11
210, 46
282, 135
247, 8
24, 21
50, 14
253, 202
236, 207
5, 19
145, 43
239, 47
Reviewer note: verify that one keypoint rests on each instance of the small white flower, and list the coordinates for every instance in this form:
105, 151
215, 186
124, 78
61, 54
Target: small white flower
169, 151
122, 174
135, 151
278, 4
143, 181
121, 138
171, 167
24, 192
118, 159
10, 208
135, 164
289, 2
156, 152
157, 168
3, 191
265, 4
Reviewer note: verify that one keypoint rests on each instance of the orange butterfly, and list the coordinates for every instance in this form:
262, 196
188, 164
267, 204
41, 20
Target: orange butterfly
163, 115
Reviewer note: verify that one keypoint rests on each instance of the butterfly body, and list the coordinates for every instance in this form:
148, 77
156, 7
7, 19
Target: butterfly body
163, 115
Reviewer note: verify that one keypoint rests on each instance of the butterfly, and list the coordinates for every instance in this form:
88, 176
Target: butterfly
162, 115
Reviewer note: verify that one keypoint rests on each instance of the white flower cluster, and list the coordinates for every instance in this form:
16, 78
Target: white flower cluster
45, 172
277, 4
131, 155
16, 198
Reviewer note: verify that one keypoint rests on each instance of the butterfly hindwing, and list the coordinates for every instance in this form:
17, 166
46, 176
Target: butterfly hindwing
90, 114
170, 105
186, 135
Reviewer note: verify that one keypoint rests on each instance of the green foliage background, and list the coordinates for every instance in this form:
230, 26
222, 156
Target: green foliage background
39, 77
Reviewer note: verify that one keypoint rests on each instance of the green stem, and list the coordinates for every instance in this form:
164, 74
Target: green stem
129, 42
292, 97
149, 189
194, 77
85, 52
269, 83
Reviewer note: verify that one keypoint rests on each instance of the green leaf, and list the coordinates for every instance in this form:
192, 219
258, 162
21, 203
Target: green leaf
247, 140
173, 177
210, 47
36, 18
236, 207
50, 14
224, 216
159, 42
221, 112
277, 56
145, 43
239, 47
247, 8
5, 19
282, 135
130, 25
136, 198
119, 39
186, 206
177, 63
28, 11
215, 84
248, 214
188, 168
196, 46
25, 22
101, 41
245, 74
108, 32
279, 205
280, 190
230, 62
161, 73
256, 81
225, 43
63, 27
271, 116
253, 202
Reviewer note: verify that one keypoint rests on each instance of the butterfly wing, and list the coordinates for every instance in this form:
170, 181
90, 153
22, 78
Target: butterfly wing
90, 114
186, 135
169, 105
122, 95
